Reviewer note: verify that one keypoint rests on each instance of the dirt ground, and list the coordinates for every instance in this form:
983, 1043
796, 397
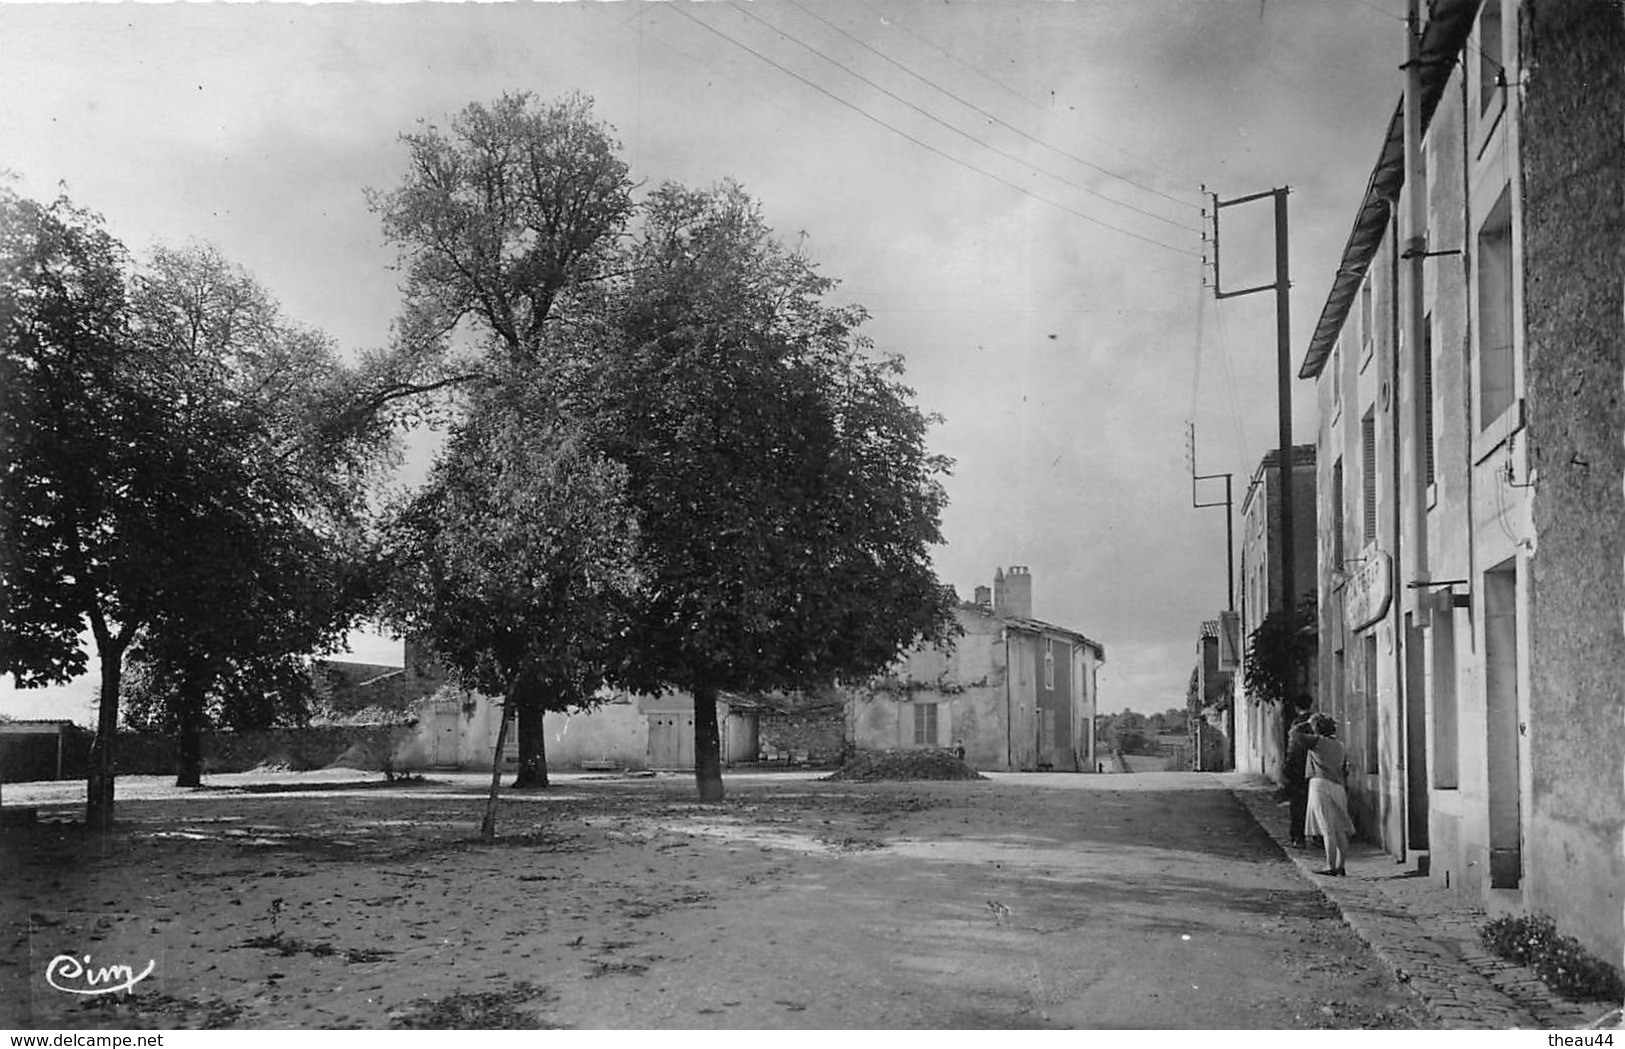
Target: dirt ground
333, 901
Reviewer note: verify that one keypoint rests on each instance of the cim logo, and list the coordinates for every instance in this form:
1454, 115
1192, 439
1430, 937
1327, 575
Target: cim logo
76, 975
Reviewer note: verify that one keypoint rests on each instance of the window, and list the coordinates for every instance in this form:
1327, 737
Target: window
1049, 664
1368, 478
1491, 78
1339, 523
1495, 380
1367, 326
925, 724
1427, 399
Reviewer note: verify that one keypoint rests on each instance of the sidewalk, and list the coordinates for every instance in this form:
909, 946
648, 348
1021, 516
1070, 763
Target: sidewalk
1425, 933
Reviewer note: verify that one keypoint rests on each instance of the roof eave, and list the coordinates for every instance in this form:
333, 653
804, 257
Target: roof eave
1448, 26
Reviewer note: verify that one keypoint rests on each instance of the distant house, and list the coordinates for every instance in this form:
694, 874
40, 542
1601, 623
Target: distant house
1260, 730
1015, 692
1210, 703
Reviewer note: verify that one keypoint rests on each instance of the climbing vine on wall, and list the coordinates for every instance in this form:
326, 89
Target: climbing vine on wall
1279, 655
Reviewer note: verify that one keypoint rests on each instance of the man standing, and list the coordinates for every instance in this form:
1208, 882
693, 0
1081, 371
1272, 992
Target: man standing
1294, 778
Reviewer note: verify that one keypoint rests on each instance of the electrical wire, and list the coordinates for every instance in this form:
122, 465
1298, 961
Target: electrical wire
679, 10
996, 82
995, 118
957, 130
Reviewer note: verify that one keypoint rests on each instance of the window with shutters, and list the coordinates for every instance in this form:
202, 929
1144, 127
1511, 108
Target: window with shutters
1337, 371
1368, 328
1368, 478
1339, 518
1427, 398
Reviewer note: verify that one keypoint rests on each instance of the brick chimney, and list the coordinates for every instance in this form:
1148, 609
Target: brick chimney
983, 599
1013, 592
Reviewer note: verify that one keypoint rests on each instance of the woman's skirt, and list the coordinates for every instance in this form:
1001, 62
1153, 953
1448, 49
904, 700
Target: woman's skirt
1328, 812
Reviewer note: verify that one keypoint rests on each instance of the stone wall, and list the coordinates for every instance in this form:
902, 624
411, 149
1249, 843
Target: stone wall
815, 735
1574, 229
153, 754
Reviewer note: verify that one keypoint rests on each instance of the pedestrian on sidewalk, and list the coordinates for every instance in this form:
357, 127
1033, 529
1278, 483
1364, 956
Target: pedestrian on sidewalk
1328, 810
1294, 775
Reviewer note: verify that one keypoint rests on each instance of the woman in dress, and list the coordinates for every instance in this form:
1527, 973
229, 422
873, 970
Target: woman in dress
1328, 813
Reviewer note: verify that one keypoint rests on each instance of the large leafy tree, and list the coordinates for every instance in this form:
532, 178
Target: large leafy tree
505, 220
786, 499
516, 562
275, 550
91, 477
177, 461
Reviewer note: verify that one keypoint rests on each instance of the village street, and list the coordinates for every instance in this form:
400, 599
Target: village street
1026, 900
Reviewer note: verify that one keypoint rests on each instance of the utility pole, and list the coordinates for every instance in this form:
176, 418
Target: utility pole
1229, 538
1283, 377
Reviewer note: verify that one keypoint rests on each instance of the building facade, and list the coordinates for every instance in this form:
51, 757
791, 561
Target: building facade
1260, 738
1015, 692
1468, 371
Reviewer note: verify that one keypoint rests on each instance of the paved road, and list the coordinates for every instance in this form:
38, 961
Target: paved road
1028, 900
1044, 901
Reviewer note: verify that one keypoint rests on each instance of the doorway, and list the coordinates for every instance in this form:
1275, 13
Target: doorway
1501, 724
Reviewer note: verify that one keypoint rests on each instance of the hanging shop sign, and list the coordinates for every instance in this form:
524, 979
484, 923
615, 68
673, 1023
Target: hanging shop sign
1369, 590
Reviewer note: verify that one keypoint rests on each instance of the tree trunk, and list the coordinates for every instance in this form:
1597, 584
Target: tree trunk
707, 744
488, 826
189, 740
99, 788
532, 737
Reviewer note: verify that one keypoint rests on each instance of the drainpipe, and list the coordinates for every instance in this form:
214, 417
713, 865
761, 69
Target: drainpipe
1396, 612
1410, 422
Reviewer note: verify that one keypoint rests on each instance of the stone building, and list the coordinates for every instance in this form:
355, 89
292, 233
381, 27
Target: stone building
1260, 733
1467, 365
1015, 692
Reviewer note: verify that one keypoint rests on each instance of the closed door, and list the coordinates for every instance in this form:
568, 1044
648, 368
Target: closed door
671, 741
445, 737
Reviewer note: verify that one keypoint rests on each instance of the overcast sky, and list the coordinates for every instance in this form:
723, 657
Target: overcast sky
1011, 188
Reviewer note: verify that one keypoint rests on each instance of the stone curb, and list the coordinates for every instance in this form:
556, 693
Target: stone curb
1434, 951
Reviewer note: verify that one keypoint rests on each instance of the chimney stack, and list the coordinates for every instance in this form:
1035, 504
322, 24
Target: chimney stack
984, 599
1013, 592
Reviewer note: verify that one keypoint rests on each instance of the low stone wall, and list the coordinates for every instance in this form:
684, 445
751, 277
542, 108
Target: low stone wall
300, 749
815, 737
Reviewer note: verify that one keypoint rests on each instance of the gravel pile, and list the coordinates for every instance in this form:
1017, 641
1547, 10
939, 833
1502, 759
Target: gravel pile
870, 766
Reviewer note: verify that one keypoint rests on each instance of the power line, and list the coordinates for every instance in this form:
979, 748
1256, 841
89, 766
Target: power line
956, 130
679, 10
1006, 124
996, 82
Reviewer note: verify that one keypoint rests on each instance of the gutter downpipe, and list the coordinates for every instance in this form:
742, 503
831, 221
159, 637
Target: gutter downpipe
1408, 423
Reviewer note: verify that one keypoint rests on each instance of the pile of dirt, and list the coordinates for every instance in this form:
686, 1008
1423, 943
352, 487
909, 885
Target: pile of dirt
359, 756
283, 761
869, 766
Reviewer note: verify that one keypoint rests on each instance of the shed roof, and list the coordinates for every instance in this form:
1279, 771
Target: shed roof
1448, 25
